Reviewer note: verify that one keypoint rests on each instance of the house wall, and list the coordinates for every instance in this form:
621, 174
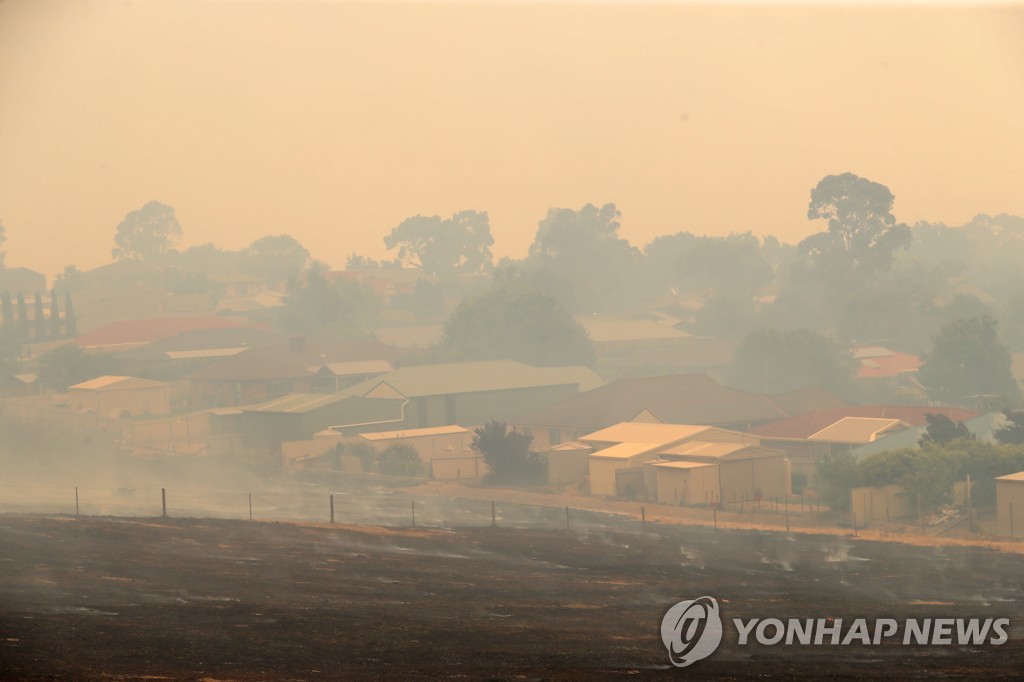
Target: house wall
458, 462
465, 467
686, 486
112, 402
602, 472
765, 476
547, 438
803, 455
218, 393
568, 467
268, 430
302, 449
476, 409
1009, 508
429, 447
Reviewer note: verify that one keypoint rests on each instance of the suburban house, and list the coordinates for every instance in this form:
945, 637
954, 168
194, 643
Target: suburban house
894, 369
874, 362
672, 464
231, 284
444, 450
297, 417
28, 282
650, 341
263, 373
465, 394
1010, 505
172, 357
675, 399
117, 396
20, 385
805, 437
332, 377
473, 393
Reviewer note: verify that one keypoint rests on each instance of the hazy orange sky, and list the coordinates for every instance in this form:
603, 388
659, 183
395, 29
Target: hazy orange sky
333, 121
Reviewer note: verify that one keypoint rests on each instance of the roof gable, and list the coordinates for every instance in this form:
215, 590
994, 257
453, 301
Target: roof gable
642, 432
383, 390
856, 430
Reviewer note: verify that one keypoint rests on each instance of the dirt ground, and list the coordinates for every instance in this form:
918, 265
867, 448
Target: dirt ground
118, 598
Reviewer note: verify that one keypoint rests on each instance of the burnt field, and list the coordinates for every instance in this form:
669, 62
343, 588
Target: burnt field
105, 598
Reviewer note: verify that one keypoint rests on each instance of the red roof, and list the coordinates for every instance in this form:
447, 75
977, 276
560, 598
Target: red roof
137, 332
875, 361
810, 423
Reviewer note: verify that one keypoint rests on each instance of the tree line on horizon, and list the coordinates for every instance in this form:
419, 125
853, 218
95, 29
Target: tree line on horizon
865, 279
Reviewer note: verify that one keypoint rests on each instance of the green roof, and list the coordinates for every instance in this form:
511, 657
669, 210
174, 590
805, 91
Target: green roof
474, 377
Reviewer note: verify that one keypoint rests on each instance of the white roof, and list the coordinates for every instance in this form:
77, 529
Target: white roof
857, 430
871, 352
680, 464
644, 432
626, 450
706, 449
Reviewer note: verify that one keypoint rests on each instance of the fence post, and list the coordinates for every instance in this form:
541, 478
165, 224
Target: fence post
412, 504
494, 516
163, 501
643, 515
787, 514
250, 506
854, 524
567, 518
714, 517
332, 507
76, 500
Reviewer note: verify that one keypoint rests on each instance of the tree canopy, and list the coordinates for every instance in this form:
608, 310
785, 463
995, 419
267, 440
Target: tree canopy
147, 233
967, 360
444, 247
942, 430
506, 323
1012, 432
580, 258
507, 454
862, 231
276, 257
69, 364
315, 305
771, 362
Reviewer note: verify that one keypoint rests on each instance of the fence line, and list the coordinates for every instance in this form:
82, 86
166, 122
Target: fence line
367, 508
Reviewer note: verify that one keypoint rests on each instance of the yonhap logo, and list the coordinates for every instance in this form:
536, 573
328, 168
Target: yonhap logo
691, 630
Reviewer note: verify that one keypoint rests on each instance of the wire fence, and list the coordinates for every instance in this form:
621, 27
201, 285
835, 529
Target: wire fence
385, 506
381, 507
